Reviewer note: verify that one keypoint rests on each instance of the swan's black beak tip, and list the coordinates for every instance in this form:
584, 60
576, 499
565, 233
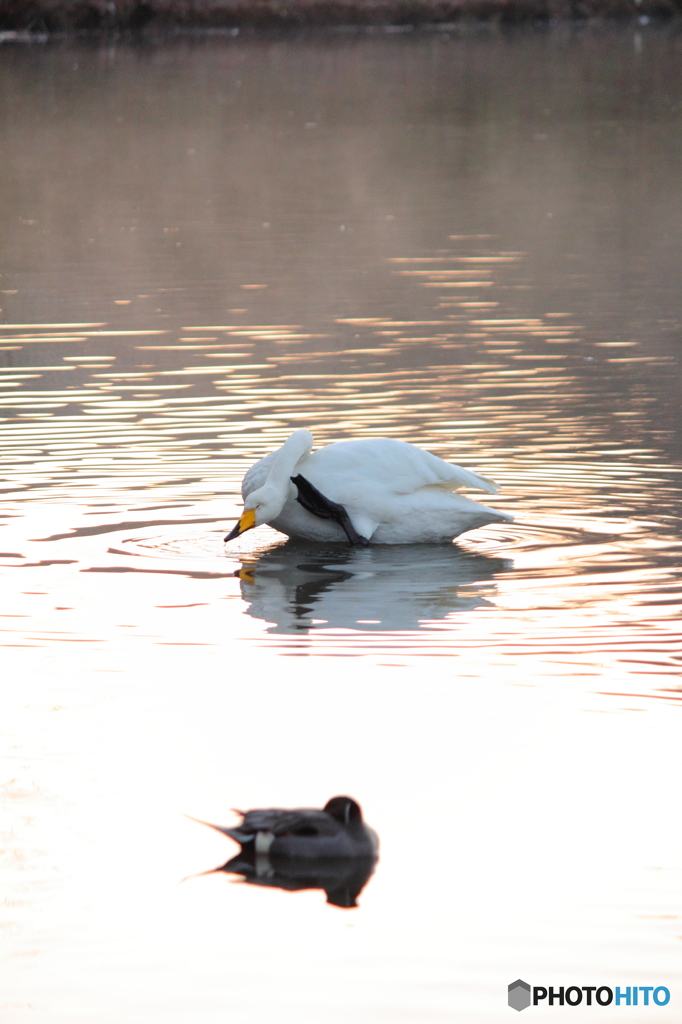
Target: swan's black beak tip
246, 522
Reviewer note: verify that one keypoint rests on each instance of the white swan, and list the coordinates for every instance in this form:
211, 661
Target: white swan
378, 490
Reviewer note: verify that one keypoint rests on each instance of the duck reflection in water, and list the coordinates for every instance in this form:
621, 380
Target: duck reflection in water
375, 588
305, 848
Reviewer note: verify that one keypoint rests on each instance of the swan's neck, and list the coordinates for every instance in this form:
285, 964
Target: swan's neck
300, 443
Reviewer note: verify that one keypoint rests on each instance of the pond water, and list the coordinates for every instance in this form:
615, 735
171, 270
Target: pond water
470, 241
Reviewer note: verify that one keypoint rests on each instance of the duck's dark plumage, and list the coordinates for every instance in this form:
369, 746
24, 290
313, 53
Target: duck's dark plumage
337, 830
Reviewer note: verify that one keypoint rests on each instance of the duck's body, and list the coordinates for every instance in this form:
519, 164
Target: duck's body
335, 831
390, 492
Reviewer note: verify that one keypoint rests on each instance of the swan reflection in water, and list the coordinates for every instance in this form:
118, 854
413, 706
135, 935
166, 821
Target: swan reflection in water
299, 586
341, 878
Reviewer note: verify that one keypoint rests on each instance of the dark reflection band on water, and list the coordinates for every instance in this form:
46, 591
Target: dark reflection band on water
342, 878
300, 587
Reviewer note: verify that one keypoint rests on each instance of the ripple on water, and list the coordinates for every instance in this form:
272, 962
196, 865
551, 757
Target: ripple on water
497, 685
588, 570
577, 593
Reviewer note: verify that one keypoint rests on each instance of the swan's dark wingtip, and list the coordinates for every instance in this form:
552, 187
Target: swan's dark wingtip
319, 505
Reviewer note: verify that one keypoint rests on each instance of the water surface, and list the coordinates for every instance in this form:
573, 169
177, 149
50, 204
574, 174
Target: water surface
467, 242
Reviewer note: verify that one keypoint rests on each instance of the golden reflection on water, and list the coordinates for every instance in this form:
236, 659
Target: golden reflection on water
530, 418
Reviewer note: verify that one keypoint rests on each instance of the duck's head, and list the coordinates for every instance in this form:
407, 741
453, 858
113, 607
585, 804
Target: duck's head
344, 809
261, 506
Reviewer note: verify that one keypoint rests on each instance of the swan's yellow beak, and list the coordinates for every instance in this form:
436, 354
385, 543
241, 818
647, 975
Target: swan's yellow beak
246, 522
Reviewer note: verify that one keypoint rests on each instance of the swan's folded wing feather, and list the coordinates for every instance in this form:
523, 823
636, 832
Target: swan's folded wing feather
451, 476
345, 469
465, 478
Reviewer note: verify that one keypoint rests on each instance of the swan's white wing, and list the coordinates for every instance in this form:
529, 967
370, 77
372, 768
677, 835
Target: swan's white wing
460, 477
387, 464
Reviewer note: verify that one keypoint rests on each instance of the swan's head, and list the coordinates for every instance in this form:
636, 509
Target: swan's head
261, 506
265, 503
